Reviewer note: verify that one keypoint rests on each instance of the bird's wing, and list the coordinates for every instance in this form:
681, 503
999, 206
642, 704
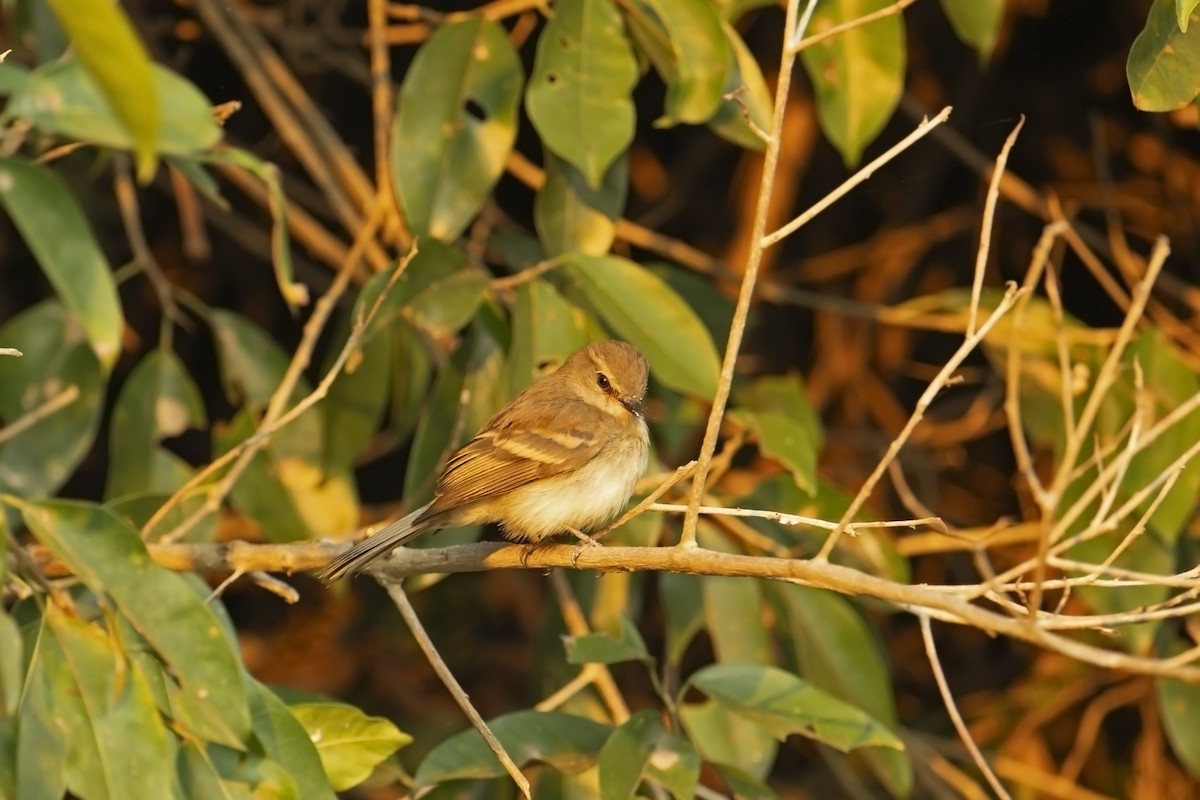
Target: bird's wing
501, 459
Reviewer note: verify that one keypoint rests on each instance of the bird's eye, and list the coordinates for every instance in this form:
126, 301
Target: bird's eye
602, 381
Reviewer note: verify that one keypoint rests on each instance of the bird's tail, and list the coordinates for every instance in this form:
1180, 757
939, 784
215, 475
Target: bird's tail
374, 546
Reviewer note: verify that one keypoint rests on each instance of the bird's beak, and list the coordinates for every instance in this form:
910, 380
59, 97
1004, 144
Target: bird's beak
634, 404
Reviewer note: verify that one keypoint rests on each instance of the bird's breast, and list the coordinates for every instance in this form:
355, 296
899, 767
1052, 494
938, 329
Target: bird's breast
584, 499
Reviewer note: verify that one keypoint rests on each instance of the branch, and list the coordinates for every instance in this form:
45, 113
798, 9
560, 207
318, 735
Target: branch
952, 604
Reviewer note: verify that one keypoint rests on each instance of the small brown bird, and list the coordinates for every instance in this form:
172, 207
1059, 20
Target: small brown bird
564, 455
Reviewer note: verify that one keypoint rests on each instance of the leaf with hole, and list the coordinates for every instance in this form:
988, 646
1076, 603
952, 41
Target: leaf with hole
158, 401
579, 94
641, 746
456, 121
36, 461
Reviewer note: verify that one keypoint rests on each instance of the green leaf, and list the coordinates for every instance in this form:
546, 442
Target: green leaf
286, 488
734, 615
356, 402
13, 78
568, 743
1179, 705
117, 745
284, 739
350, 743
571, 216
786, 426
733, 610
579, 96
1164, 61
434, 263
642, 309
158, 401
447, 304
456, 121
41, 749
38, 460
600, 648
701, 59
714, 308
412, 372
675, 764
252, 367
546, 329
114, 54
838, 653
62, 98
749, 97
107, 556
49, 220
635, 747
723, 737
784, 704
1183, 12
743, 785
858, 75
218, 773
290, 495
977, 22
11, 663
683, 604
1169, 382
475, 372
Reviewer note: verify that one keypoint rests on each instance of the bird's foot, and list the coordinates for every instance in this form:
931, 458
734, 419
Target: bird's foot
585, 542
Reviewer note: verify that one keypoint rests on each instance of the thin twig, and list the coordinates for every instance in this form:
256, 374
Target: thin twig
274, 417
35, 415
396, 591
952, 709
10, 351
955, 604
576, 624
797, 519
858, 22
127, 203
989, 216
737, 326
927, 397
854, 180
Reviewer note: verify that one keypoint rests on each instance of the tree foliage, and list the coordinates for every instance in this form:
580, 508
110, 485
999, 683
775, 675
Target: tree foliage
146, 409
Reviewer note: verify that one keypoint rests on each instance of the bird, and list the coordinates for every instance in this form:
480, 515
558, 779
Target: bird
563, 456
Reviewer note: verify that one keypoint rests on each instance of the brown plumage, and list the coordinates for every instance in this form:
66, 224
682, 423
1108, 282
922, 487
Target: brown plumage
564, 455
